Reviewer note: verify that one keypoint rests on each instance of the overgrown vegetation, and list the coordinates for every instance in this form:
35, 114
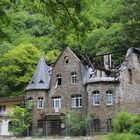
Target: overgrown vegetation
125, 127
20, 120
76, 123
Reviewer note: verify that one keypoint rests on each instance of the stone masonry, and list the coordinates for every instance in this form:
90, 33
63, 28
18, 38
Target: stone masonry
101, 91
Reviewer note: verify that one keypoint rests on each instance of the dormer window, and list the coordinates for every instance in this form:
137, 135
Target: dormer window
59, 80
66, 59
41, 81
73, 78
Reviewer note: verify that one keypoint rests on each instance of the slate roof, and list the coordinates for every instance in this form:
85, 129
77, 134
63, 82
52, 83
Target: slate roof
12, 99
41, 78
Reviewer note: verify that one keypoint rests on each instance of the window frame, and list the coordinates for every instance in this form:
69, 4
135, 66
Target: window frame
2, 108
40, 101
30, 100
58, 80
109, 93
96, 98
76, 101
73, 78
56, 102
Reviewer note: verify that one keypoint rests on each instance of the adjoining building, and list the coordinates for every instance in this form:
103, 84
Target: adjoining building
6, 105
71, 85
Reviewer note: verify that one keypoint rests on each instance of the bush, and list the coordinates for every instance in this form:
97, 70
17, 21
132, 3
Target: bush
122, 122
135, 129
123, 136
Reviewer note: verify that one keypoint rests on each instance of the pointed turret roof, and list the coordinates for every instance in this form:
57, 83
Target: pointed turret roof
41, 77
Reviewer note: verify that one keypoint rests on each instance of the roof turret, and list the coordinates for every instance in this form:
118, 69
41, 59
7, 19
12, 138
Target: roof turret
41, 77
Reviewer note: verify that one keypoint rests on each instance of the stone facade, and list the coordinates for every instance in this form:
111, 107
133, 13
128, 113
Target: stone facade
73, 86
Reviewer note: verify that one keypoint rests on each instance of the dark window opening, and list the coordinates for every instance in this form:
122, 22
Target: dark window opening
138, 58
40, 123
96, 124
109, 124
59, 80
130, 75
2, 108
41, 82
32, 82
66, 59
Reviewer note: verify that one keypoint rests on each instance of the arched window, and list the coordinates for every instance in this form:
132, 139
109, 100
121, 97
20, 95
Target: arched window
40, 103
73, 78
109, 97
96, 98
66, 60
59, 80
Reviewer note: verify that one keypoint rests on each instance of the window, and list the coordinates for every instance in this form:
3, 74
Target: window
66, 59
40, 104
73, 78
130, 75
40, 123
76, 101
2, 108
96, 98
57, 102
109, 124
96, 124
59, 80
138, 57
30, 100
109, 98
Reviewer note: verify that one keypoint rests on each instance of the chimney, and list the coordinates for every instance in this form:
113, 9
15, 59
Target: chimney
107, 61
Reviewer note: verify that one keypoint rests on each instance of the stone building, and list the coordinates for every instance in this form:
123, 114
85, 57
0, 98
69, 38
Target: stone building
70, 85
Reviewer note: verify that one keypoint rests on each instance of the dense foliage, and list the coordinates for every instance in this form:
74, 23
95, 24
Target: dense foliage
125, 126
20, 119
88, 27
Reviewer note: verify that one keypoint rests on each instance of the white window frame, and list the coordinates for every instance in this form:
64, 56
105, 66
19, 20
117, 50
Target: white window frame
56, 102
76, 101
96, 98
109, 97
58, 76
73, 78
40, 103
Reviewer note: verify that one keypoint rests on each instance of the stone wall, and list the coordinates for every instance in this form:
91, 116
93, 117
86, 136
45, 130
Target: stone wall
130, 84
67, 89
37, 113
103, 111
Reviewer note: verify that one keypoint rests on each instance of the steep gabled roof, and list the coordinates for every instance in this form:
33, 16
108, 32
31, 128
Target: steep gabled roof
69, 50
41, 77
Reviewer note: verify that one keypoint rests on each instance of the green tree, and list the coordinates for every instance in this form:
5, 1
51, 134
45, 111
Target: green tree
75, 123
20, 119
16, 69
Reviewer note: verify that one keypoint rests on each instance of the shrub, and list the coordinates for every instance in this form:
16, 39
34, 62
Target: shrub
123, 136
135, 129
122, 122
